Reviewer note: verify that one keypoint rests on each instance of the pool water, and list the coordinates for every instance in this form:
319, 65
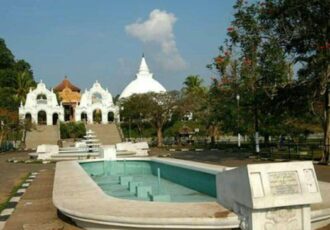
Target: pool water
151, 181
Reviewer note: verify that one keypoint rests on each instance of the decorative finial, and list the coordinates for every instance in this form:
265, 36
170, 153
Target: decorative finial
65, 77
143, 66
143, 54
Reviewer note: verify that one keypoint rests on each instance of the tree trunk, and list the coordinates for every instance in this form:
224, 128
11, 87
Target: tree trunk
256, 126
326, 127
213, 131
159, 137
266, 136
139, 127
1, 138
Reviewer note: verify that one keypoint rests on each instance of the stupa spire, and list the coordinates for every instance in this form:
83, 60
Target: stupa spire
143, 66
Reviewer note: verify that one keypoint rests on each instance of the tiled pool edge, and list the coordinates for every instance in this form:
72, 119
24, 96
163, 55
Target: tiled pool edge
108, 211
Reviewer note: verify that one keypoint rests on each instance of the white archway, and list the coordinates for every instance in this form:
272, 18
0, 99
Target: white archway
98, 99
41, 99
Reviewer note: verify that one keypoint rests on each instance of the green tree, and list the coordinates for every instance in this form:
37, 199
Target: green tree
253, 65
7, 59
134, 110
302, 28
24, 81
154, 108
193, 84
16, 78
193, 96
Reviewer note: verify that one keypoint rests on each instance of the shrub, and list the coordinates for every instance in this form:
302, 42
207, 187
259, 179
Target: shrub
72, 130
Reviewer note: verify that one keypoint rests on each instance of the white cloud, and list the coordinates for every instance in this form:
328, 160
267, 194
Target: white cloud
158, 28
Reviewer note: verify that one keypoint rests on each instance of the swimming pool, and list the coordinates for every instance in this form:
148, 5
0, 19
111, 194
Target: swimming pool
152, 181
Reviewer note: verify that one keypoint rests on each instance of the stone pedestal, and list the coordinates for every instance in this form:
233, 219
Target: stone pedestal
293, 218
270, 196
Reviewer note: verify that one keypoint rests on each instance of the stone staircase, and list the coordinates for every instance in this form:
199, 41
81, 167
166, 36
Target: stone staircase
108, 134
43, 134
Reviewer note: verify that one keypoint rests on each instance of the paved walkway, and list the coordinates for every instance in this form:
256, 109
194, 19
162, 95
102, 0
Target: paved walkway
35, 210
11, 174
236, 159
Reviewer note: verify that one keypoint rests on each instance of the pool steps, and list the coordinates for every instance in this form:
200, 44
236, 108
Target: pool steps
138, 189
126, 186
124, 180
143, 191
129, 191
132, 186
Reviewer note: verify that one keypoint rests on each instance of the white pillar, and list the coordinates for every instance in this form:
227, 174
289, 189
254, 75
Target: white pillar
34, 117
116, 116
90, 117
61, 116
77, 116
104, 117
49, 118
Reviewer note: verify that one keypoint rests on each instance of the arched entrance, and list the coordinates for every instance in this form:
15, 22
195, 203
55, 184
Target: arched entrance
28, 117
97, 116
42, 118
55, 118
83, 117
68, 112
111, 117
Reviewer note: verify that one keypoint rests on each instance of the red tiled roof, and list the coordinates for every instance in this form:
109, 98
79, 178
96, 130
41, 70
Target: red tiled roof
66, 84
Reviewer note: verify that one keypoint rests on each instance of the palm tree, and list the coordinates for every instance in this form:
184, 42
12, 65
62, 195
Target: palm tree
193, 96
193, 84
24, 81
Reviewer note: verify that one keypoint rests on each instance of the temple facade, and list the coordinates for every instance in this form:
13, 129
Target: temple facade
44, 107
41, 106
69, 96
96, 106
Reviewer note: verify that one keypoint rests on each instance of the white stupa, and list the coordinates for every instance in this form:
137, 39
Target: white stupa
144, 82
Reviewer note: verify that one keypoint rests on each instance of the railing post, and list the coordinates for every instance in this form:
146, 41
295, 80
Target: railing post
289, 151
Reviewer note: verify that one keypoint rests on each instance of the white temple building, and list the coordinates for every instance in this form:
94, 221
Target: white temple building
144, 82
96, 106
41, 106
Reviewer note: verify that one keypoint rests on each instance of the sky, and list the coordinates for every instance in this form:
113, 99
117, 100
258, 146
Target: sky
104, 40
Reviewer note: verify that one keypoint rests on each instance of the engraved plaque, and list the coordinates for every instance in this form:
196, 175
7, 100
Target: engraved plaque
284, 183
